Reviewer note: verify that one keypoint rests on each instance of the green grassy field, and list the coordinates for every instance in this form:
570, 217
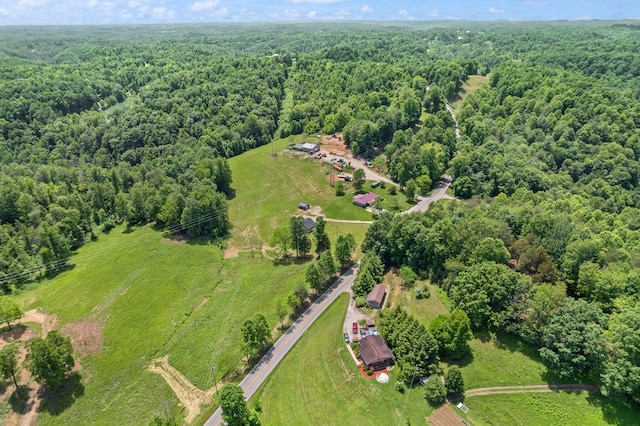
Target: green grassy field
268, 190
425, 309
557, 409
152, 297
318, 384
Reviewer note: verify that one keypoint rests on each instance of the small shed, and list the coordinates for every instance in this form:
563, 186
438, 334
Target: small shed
308, 223
303, 206
365, 200
310, 148
376, 296
375, 353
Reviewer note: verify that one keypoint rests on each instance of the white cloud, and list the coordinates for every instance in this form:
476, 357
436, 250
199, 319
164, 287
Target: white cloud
92, 3
403, 14
291, 13
433, 13
315, 1
366, 9
204, 5
3, 11
312, 14
162, 13
219, 13
495, 10
126, 15
583, 18
341, 13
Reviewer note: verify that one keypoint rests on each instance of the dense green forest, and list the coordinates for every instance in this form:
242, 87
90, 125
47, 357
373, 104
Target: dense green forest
102, 125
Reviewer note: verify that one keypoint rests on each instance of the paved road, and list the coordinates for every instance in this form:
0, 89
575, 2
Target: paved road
265, 366
438, 194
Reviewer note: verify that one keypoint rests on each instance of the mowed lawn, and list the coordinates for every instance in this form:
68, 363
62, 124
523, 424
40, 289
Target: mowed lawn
145, 297
318, 384
556, 408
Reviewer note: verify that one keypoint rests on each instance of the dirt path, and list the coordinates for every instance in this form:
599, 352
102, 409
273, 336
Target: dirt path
568, 387
368, 222
190, 396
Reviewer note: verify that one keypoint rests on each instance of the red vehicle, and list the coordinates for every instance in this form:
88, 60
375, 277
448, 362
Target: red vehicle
354, 328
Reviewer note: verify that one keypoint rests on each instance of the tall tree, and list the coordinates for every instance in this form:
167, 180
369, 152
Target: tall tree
299, 236
9, 363
574, 342
345, 247
49, 360
234, 407
453, 380
320, 235
312, 276
326, 266
281, 240
358, 180
256, 332
9, 310
621, 375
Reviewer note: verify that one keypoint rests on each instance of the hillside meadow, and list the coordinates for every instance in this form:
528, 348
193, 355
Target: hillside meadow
134, 296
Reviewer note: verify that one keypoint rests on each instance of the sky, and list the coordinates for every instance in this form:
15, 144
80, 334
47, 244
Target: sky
85, 12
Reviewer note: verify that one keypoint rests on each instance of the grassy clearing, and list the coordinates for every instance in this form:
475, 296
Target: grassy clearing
503, 360
425, 309
318, 384
561, 408
122, 105
155, 297
268, 190
470, 86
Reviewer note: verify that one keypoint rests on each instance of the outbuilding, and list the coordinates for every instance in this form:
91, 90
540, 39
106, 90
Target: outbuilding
375, 353
308, 223
365, 200
303, 206
376, 297
310, 148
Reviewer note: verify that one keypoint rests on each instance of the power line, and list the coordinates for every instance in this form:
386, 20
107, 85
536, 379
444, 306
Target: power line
63, 262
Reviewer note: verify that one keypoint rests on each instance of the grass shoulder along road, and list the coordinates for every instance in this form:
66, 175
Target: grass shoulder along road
318, 383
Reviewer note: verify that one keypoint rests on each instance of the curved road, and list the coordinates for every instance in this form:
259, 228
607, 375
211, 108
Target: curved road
438, 194
265, 366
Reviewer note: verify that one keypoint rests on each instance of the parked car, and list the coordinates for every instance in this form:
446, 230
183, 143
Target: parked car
354, 328
346, 338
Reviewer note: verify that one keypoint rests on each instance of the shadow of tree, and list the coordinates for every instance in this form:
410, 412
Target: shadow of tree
14, 332
615, 412
19, 399
56, 401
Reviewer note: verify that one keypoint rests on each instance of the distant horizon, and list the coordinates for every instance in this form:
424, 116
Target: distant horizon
142, 12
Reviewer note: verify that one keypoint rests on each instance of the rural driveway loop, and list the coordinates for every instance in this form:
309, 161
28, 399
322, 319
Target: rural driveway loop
265, 366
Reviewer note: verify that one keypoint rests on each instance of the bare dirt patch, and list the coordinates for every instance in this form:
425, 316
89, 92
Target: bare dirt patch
174, 240
86, 336
204, 300
48, 322
445, 416
231, 251
335, 143
190, 396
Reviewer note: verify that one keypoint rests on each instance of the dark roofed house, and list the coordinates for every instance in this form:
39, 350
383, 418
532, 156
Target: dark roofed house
308, 223
375, 353
364, 200
376, 297
303, 206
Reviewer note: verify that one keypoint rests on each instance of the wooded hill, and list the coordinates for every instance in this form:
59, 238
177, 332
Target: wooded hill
109, 124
